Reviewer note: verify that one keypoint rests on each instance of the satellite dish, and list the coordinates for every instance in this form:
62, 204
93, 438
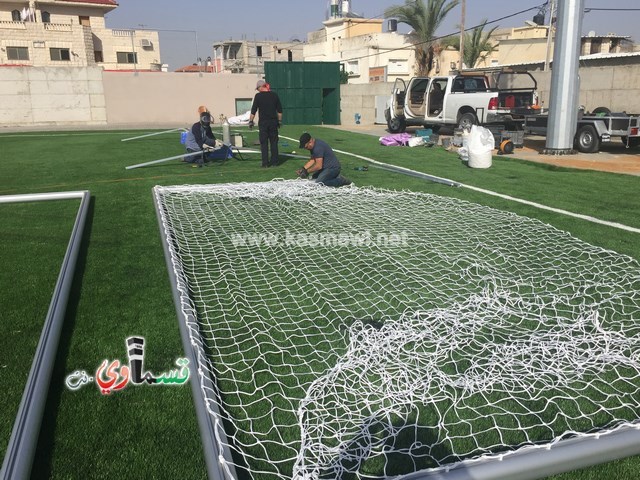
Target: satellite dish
530, 23
591, 33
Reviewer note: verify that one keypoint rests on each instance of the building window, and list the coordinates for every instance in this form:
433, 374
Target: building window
127, 57
289, 56
46, 17
60, 54
17, 53
352, 68
243, 105
84, 21
397, 66
15, 16
97, 54
258, 50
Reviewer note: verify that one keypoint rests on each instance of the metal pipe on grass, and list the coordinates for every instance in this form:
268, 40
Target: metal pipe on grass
152, 134
164, 160
18, 459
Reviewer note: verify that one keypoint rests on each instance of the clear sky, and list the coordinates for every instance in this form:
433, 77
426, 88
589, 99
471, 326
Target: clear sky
208, 21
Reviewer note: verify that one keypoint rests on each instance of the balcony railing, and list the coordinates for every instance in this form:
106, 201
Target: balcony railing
58, 27
122, 33
12, 25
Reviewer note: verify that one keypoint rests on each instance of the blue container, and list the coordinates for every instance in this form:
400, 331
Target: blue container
183, 137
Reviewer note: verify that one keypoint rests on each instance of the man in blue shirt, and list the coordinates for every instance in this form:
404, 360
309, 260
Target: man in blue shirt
200, 138
323, 164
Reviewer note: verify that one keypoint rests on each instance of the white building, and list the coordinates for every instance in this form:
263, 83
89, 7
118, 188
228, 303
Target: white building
244, 56
72, 33
366, 53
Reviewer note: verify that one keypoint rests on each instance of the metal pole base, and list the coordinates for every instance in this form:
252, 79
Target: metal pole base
558, 151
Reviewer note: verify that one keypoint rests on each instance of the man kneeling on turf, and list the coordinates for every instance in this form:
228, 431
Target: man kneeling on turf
323, 164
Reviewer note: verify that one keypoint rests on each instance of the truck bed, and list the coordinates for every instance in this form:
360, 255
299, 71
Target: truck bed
514, 99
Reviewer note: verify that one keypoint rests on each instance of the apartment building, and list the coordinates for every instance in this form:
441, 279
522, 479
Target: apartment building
50, 33
530, 44
245, 56
365, 52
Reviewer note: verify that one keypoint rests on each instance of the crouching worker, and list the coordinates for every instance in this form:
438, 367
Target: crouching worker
323, 166
200, 138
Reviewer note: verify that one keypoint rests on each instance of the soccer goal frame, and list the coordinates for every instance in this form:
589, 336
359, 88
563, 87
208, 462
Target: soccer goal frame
540, 461
569, 452
18, 459
219, 463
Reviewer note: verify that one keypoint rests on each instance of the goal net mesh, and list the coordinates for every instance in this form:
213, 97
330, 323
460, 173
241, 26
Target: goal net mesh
366, 333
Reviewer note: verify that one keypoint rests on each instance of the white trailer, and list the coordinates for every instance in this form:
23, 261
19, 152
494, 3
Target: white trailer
594, 128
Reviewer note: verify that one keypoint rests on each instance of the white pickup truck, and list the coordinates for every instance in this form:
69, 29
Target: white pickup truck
460, 100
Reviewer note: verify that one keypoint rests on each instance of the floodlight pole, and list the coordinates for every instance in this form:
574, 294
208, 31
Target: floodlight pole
565, 82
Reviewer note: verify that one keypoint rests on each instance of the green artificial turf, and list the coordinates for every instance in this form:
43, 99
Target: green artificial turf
121, 286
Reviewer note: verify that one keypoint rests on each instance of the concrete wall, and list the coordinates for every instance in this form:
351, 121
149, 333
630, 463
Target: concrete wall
360, 98
614, 87
89, 96
172, 99
51, 96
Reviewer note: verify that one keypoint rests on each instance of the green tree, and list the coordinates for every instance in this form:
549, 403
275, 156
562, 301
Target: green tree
477, 44
424, 19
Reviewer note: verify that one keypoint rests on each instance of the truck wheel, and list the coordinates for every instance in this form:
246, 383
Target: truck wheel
587, 140
466, 120
633, 141
601, 111
396, 125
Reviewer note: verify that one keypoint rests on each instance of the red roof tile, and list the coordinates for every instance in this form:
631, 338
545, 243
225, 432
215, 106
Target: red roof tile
196, 69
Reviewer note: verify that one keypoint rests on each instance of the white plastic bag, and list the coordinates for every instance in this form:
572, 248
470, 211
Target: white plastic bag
463, 153
481, 143
416, 141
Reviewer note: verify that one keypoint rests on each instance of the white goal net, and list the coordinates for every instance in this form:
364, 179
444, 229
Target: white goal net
367, 333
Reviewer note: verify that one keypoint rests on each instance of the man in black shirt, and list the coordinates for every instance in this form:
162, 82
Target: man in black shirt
267, 103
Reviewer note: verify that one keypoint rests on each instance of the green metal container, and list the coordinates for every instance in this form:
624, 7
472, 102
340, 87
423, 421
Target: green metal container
309, 91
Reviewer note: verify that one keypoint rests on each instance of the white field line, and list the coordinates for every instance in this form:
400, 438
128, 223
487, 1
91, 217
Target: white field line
588, 218
15, 135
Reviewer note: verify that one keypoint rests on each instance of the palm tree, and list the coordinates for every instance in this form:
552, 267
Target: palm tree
424, 20
477, 44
